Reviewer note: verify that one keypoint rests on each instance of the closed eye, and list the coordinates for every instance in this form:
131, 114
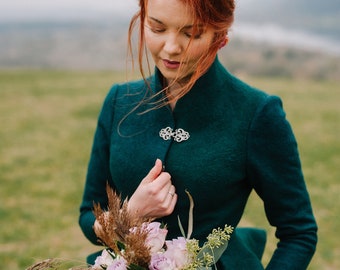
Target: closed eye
155, 25
190, 32
155, 29
197, 36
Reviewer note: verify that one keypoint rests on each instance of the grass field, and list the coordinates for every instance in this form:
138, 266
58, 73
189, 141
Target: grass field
47, 123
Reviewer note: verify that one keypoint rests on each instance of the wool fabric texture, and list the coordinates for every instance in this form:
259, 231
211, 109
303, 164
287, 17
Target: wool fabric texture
240, 140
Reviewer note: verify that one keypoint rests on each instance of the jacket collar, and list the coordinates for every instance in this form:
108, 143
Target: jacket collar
204, 91
211, 79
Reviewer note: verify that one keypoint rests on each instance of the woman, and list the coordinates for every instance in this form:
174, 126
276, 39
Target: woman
194, 126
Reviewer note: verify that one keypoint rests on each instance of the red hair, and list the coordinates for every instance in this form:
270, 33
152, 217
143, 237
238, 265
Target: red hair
218, 14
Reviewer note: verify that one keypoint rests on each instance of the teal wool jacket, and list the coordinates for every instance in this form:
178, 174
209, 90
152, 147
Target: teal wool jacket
239, 140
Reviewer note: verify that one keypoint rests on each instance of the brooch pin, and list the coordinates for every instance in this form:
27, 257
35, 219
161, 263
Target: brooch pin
179, 134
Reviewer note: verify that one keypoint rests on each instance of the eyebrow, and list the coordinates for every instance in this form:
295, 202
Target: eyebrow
184, 27
156, 20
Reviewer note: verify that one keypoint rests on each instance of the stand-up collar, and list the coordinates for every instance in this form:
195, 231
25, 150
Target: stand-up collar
203, 93
210, 80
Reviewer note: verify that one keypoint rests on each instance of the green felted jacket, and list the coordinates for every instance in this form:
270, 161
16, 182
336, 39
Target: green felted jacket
239, 140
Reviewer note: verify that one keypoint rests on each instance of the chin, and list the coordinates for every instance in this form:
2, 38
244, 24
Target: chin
170, 76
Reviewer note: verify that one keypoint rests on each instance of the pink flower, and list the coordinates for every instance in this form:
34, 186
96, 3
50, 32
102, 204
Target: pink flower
104, 259
156, 237
118, 264
160, 262
177, 252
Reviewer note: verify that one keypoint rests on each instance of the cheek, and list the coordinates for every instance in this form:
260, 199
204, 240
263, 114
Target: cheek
153, 44
195, 52
199, 48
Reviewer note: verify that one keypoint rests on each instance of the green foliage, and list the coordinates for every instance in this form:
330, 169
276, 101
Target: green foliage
48, 120
217, 243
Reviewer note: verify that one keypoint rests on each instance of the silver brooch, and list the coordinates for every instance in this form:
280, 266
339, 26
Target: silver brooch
178, 134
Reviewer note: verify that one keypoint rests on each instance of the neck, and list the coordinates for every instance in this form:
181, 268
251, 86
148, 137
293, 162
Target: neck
171, 93
174, 89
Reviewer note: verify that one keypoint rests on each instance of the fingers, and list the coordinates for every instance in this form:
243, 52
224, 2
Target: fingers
154, 172
171, 200
172, 191
159, 180
156, 195
170, 196
172, 204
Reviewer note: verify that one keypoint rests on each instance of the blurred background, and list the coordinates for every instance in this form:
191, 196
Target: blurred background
291, 39
59, 58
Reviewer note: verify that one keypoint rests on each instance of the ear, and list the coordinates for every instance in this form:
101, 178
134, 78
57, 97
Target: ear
224, 42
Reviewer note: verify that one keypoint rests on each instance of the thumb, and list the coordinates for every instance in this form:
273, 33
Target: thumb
154, 172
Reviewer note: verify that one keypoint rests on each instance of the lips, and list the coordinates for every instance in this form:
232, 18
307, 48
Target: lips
171, 64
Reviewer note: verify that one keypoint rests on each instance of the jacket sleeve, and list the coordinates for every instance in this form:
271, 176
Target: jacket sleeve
274, 170
98, 173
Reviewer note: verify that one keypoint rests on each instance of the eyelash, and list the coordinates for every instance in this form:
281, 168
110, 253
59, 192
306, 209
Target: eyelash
161, 30
197, 36
156, 30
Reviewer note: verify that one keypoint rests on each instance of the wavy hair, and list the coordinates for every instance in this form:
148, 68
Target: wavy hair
218, 14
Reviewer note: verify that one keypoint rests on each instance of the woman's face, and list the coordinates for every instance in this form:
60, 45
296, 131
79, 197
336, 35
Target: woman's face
168, 31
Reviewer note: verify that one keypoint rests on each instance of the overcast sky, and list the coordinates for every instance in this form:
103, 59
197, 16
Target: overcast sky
23, 10
30, 9
16, 10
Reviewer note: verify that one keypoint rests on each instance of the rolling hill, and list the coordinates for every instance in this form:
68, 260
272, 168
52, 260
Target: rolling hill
321, 17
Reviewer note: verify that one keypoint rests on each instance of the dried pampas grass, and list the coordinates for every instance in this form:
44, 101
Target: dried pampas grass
56, 264
116, 223
115, 233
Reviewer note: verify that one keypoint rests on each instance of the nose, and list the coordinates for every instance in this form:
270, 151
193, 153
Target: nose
172, 44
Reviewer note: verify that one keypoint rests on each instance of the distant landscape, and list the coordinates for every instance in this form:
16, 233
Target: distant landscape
275, 38
313, 16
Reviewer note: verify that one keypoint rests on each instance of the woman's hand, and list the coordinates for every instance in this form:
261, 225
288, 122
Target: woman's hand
155, 196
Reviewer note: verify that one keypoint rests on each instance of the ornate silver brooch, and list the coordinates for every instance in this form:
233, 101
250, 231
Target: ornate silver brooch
179, 134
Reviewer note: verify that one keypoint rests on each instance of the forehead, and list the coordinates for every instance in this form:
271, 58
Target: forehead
170, 12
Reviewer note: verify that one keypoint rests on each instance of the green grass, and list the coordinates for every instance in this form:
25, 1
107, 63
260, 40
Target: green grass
47, 123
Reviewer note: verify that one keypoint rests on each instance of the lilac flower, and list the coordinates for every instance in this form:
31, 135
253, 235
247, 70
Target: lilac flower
118, 264
156, 237
177, 252
160, 262
105, 259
